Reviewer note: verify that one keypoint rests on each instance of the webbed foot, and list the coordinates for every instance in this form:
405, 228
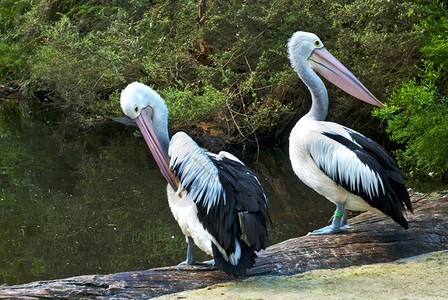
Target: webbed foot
345, 227
207, 262
328, 230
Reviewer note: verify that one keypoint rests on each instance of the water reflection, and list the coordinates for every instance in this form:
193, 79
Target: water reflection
75, 203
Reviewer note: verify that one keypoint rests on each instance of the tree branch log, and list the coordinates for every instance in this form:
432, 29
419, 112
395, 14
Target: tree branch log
373, 239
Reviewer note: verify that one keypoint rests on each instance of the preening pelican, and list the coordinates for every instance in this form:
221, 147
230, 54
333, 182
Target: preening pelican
339, 163
206, 191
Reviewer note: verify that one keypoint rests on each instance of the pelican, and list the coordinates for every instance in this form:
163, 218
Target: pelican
339, 163
206, 192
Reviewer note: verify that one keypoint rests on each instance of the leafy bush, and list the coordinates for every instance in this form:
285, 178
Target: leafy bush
417, 116
81, 70
12, 54
192, 104
82, 53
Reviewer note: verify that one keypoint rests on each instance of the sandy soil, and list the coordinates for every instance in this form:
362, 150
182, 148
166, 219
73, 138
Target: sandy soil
421, 277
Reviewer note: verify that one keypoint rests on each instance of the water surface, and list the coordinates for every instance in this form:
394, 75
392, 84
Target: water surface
76, 202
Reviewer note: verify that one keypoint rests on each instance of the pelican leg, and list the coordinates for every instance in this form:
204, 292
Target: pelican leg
189, 260
336, 225
344, 226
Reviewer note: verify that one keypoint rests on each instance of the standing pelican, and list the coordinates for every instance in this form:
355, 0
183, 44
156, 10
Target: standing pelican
339, 163
206, 192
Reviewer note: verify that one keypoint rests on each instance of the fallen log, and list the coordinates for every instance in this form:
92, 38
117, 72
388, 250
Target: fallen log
373, 239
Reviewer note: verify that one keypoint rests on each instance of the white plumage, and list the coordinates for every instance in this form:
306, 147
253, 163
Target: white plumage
186, 214
206, 192
344, 166
311, 152
188, 158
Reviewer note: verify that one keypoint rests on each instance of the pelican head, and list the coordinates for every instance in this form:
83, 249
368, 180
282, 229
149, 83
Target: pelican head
145, 106
307, 50
138, 100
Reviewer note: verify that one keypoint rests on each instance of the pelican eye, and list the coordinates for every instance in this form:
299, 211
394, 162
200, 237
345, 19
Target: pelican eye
136, 109
316, 43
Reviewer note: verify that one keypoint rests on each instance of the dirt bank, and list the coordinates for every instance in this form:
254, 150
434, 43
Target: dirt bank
421, 277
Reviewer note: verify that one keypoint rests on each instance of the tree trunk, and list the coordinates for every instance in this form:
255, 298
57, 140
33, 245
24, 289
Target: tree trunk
204, 49
373, 239
201, 14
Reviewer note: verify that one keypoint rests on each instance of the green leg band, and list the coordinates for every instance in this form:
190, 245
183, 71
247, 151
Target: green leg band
337, 214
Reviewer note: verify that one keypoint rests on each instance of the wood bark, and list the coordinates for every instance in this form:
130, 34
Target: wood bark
373, 239
204, 49
201, 14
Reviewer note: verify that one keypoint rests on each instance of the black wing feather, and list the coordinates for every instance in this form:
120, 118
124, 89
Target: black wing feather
395, 177
242, 193
249, 198
394, 198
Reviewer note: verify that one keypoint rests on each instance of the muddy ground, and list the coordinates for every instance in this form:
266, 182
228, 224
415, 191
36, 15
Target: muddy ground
421, 277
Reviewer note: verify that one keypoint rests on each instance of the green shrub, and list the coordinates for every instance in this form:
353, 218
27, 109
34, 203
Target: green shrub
192, 104
81, 71
83, 53
12, 55
417, 116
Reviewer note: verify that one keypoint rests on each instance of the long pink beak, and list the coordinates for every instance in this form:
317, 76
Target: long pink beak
144, 123
329, 67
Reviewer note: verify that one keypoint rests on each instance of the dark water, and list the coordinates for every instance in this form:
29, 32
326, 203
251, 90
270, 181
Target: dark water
76, 203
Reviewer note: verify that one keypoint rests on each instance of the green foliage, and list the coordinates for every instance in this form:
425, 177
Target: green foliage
436, 46
417, 116
81, 70
192, 104
436, 27
83, 53
379, 42
12, 57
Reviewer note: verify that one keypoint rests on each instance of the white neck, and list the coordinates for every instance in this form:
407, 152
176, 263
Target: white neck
319, 95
